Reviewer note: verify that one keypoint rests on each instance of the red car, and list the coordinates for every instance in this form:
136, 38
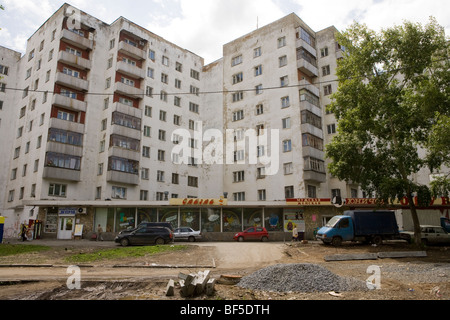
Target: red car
252, 233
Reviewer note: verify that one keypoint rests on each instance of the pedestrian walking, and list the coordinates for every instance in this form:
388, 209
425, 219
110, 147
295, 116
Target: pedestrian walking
99, 233
24, 232
295, 234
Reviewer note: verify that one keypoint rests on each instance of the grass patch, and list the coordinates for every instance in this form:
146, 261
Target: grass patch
13, 249
121, 253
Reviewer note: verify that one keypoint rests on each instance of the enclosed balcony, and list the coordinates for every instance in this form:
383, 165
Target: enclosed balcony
77, 40
130, 70
132, 51
66, 125
72, 82
74, 60
69, 103
306, 62
128, 90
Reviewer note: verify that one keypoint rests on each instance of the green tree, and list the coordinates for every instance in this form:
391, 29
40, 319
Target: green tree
393, 90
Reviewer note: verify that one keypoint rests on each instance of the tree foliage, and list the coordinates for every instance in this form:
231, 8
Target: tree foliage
392, 98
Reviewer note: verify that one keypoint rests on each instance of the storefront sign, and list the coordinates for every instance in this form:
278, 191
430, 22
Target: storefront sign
308, 202
197, 202
67, 211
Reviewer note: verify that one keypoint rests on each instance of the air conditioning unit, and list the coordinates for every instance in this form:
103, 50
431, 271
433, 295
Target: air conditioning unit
82, 210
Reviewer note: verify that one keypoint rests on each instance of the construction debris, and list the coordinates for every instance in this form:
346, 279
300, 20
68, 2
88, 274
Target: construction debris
193, 284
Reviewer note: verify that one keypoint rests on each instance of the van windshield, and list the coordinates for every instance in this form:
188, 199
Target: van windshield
332, 223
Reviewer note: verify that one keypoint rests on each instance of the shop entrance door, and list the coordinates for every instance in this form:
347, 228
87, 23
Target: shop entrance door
66, 227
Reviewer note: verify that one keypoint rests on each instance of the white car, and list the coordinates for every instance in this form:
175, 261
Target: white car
429, 234
186, 233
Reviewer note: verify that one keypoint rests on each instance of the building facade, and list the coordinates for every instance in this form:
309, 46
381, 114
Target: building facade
112, 125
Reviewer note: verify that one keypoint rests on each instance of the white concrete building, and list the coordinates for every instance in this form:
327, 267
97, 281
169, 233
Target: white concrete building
94, 116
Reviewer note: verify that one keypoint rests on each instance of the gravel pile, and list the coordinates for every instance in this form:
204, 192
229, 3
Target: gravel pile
299, 278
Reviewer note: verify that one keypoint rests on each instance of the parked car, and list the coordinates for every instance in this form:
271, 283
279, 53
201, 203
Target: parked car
252, 233
186, 233
148, 225
429, 234
145, 236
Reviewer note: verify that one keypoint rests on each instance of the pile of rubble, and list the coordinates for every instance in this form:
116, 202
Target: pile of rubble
193, 284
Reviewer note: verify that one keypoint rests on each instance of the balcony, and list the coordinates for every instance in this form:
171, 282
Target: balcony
124, 153
67, 125
122, 177
74, 61
129, 91
61, 174
314, 176
310, 87
312, 152
63, 148
126, 132
130, 70
307, 67
307, 46
69, 103
309, 128
306, 105
126, 109
72, 82
132, 51
77, 40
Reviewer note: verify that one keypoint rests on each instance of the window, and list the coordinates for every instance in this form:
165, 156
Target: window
124, 142
161, 155
259, 109
162, 135
284, 81
64, 136
288, 168
238, 176
14, 174
331, 128
194, 90
195, 74
151, 55
239, 77
305, 55
178, 67
143, 195
312, 192
259, 89
58, 190
177, 101
164, 78
282, 61
36, 165
238, 115
165, 61
123, 165
257, 52
160, 176
309, 140
119, 192
260, 151
324, 52
306, 95
98, 192
327, 90
68, 93
61, 160
305, 36
236, 60
239, 155
260, 173
163, 96
64, 115
11, 195
148, 111
126, 120
289, 192
73, 51
150, 73
314, 164
160, 196
287, 145
260, 129
239, 196
100, 169
335, 193
285, 102
192, 181
127, 81
149, 91
146, 152
258, 70
262, 195
147, 131
162, 115
175, 178
177, 83
326, 70
176, 120
16, 152
286, 123
71, 72
193, 107
311, 118
238, 96
3, 70
281, 42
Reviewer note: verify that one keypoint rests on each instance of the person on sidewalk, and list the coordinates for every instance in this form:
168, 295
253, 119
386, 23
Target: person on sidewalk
295, 234
24, 232
99, 233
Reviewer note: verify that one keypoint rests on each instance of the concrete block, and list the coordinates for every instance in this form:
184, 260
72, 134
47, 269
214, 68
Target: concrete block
355, 256
402, 254
210, 287
170, 288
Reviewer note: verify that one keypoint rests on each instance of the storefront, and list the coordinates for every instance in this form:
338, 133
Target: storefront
218, 219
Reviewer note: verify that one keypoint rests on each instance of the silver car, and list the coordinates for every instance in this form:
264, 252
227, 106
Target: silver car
429, 234
186, 233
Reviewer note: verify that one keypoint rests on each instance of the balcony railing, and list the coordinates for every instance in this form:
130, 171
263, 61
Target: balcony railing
72, 82
74, 60
132, 51
130, 70
69, 103
77, 40
129, 91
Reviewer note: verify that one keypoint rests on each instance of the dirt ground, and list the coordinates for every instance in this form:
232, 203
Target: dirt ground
146, 278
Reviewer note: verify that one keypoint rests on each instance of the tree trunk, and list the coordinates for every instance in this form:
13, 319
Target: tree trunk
415, 218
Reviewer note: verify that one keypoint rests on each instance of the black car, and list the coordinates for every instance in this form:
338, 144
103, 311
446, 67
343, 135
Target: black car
148, 225
145, 236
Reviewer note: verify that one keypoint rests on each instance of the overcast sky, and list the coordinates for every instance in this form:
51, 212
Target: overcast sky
204, 26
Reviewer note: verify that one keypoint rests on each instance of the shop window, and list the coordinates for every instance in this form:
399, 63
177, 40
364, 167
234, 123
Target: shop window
210, 219
252, 217
231, 220
125, 218
169, 215
273, 219
190, 217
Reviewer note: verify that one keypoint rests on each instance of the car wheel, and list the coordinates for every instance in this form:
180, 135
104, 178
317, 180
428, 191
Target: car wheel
264, 239
125, 242
337, 241
159, 241
241, 239
191, 239
377, 240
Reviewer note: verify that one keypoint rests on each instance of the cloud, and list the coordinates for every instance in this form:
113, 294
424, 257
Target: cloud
204, 26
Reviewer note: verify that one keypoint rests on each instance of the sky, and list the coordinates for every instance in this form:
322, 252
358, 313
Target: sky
204, 26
